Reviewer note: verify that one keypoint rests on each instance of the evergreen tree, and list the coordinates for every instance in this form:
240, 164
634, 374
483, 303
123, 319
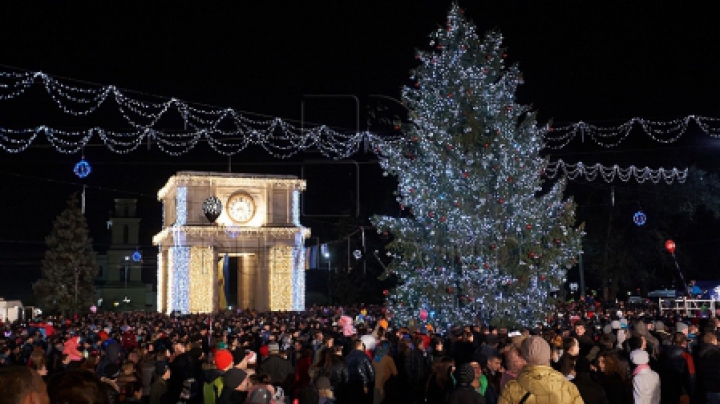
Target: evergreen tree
482, 237
70, 264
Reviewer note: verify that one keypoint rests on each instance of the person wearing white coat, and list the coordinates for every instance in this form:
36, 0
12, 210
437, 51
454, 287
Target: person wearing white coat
646, 382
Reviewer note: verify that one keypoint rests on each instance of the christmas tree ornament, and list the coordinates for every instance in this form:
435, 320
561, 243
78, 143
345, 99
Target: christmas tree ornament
82, 168
212, 208
639, 218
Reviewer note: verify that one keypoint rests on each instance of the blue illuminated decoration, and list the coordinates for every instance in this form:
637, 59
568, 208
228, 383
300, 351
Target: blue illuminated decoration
639, 218
137, 256
82, 168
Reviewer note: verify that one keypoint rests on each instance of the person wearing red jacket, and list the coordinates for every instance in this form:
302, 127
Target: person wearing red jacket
71, 349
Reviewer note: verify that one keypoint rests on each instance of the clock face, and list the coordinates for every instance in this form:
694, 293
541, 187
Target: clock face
241, 207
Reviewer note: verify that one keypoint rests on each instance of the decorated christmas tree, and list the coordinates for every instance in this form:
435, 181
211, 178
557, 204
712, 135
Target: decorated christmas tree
70, 265
482, 237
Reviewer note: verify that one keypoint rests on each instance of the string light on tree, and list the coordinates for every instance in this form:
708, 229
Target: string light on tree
474, 243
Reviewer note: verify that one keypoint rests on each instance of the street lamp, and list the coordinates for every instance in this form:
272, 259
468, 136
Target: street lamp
326, 254
126, 270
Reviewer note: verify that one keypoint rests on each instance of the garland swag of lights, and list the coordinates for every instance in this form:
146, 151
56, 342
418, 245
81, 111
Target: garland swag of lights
278, 137
590, 172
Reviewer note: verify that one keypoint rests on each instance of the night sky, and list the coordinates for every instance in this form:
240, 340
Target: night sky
599, 62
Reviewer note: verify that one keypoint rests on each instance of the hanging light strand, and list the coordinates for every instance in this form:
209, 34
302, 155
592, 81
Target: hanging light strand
277, 136
610, 173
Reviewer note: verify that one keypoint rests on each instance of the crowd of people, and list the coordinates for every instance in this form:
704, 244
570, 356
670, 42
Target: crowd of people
584, 353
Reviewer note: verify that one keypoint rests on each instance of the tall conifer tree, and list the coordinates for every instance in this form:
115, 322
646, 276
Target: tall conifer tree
481, 238
70, 264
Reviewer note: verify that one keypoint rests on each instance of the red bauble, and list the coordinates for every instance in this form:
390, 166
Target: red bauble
430, 214
386, 292
450, 95
488, 57
466, 174
531, 255
670, 246
450, 290
464, 48
487, 145
415, 138
504, 55
417, 57
457, 204
397, 127
443, 219
542, 277
450, 147
493, 246
469, 91
529, 226
439, 46
487, 266
501, 201
557, 241
402, 206
417, 84
510, 179
484, 71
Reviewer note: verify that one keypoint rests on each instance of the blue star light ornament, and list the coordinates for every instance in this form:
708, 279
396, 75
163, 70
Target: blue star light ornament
137, 256
82, 168
639, 218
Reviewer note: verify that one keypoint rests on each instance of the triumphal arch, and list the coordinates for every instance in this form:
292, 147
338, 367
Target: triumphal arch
227, 234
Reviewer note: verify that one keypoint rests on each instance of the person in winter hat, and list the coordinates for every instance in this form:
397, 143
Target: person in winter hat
646, 382
464, 391
537, 380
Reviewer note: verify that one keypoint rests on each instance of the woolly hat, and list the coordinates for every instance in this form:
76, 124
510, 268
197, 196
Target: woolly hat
639, 357
223, 359
615, 324
323, 383
607, 329
260, 395
536, 351
659, 326
681, 327
234, 378
103, 335
464, 373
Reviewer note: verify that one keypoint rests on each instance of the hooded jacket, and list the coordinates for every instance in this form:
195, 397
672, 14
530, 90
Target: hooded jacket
545, 385
71, 349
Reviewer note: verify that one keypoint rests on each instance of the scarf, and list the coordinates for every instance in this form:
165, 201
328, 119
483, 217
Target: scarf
640, 367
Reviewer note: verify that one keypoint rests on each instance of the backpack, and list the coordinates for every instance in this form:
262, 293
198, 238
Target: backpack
212, 390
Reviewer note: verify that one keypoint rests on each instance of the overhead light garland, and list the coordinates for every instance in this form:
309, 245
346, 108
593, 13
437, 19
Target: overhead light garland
277, 136
611, 136
610, 173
